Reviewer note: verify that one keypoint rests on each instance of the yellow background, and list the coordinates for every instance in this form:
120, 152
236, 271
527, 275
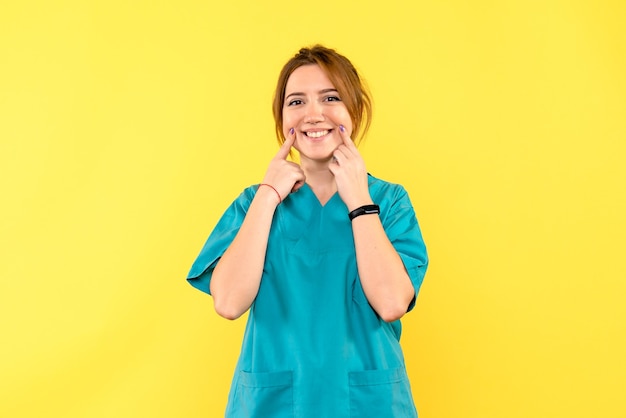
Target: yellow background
126, 129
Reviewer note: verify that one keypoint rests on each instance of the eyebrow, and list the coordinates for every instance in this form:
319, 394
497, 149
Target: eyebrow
324, 91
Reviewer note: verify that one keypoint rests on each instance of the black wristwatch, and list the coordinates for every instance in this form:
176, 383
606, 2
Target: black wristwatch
364, 210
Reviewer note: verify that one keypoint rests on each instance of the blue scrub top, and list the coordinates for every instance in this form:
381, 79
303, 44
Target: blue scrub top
313, 346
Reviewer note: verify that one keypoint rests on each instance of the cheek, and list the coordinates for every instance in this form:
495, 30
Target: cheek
342, 117
341, 112
288, 123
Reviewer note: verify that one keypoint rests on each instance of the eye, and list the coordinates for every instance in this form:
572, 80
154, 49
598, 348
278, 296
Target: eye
294, 102
332, 99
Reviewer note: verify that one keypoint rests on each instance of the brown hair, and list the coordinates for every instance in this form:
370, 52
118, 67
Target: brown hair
345, 78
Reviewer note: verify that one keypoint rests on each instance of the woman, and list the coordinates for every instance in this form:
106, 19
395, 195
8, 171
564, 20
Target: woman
325, 257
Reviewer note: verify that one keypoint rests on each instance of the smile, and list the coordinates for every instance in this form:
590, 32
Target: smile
317, 134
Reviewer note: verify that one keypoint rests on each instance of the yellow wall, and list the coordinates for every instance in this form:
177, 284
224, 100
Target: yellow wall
127, 127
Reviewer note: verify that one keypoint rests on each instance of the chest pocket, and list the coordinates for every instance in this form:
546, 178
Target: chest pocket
381, 394
261, 395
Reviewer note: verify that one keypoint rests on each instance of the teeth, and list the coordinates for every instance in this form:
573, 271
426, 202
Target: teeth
316, 134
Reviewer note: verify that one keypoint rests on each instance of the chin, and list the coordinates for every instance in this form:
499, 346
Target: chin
317, 150
325, 158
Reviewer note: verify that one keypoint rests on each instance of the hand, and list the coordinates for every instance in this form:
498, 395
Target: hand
285, 176
350, 173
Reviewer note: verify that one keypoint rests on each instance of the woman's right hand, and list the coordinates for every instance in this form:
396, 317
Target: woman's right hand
284, 176
237, 276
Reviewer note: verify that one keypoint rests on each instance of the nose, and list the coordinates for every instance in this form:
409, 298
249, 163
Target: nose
314, 113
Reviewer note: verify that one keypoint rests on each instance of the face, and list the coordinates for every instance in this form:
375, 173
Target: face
314, 109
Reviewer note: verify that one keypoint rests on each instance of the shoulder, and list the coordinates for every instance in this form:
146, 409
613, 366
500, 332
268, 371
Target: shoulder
242, 202
382, 190
247, 194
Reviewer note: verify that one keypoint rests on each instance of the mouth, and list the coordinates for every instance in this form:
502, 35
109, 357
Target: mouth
317, 134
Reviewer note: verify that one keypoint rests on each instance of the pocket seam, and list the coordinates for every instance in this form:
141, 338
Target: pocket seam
377, 377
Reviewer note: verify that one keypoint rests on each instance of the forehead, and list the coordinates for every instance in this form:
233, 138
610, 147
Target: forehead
308, 78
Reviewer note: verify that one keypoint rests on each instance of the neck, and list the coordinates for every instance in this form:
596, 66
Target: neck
320, 179
317, 172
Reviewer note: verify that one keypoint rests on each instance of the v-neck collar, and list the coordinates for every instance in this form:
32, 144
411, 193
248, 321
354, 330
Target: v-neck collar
307, 189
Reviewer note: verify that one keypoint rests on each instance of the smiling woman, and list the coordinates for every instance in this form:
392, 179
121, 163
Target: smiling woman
325, 257
313, 108
340, 74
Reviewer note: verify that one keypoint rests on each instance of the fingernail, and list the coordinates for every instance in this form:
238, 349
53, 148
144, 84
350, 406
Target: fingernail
341, 128
291, 131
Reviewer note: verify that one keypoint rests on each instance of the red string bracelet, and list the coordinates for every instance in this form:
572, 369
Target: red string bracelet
272, 187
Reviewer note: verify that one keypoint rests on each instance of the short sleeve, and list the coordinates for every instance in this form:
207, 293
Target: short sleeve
219, 240
402, 228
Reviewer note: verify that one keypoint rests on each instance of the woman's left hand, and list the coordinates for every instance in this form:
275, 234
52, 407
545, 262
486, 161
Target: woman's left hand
350, 173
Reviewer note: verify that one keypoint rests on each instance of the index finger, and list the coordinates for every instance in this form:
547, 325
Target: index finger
283, 152
346, 138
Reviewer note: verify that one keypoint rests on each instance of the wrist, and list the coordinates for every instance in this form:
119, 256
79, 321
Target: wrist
360, 203
269, 193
